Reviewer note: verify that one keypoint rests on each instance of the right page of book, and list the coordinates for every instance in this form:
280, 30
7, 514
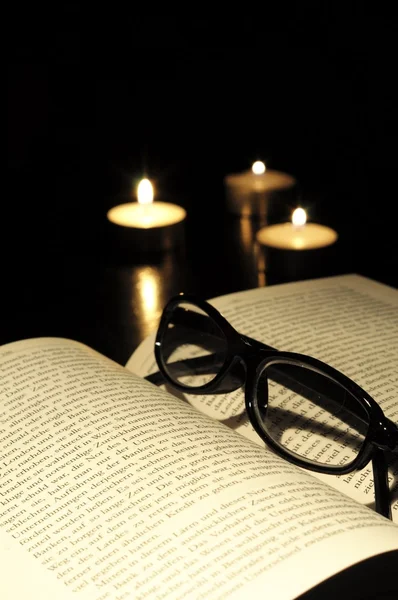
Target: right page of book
348, 321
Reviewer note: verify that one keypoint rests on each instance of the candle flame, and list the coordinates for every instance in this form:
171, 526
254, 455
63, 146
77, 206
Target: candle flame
258, 167
145, 192
299, 217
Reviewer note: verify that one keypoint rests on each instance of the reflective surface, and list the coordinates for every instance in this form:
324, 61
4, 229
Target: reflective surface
111, 298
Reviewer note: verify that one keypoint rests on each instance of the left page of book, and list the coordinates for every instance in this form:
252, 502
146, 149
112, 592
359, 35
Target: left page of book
110, 488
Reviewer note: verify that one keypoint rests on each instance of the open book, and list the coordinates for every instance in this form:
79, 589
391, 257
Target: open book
113, 488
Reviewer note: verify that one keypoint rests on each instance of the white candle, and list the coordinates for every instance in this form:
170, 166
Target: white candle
249, 193
296, 235
146, 213
152, 225
157, 214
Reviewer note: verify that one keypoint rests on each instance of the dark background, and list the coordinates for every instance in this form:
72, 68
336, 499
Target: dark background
95, 99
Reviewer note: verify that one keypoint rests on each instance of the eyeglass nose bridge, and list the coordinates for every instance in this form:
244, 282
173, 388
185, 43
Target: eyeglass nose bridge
242, 370
249, 350
233, 379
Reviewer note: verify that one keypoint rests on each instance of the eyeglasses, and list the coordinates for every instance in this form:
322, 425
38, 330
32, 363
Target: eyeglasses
305, 410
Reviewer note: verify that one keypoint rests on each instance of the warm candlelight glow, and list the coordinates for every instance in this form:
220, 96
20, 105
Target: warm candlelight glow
145, 192
148, 288
288, 236
147, 284
254, 192
154, 225
299, 217
258, 167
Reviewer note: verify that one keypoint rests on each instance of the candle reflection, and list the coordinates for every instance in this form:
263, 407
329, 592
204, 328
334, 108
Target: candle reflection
247, 231
146, 297
151, 287
243, 251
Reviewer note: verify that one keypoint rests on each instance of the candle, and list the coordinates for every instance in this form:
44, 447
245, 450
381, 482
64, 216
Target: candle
253, 192
296, 250
150, 225
297, 235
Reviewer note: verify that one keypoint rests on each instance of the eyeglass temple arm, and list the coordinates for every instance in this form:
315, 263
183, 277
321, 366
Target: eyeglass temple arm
380, 479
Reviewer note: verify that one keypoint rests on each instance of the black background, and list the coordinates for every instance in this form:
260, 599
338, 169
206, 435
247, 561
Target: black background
98, 97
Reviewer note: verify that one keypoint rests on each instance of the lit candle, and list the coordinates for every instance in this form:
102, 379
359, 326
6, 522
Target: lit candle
250, 194
150, 225
297, 235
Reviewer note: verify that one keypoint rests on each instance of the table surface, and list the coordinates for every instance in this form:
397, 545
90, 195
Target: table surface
111, 298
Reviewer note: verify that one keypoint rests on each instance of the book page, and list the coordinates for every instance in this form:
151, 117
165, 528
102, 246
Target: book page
349, 322
112, 488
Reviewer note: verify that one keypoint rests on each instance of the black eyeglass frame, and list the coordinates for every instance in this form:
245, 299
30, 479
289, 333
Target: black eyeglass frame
382, 433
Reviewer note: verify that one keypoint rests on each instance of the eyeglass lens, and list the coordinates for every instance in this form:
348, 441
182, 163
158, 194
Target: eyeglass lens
319, 421
190, 335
